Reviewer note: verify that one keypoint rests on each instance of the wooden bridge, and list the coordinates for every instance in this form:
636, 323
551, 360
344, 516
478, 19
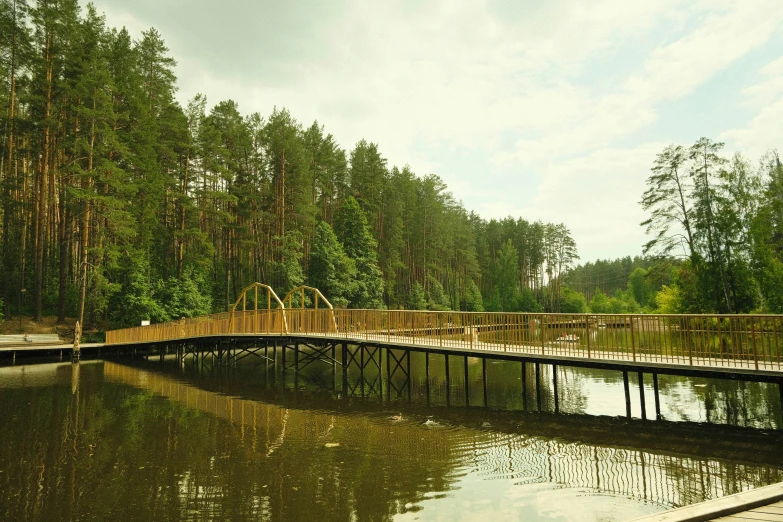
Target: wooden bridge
748, 345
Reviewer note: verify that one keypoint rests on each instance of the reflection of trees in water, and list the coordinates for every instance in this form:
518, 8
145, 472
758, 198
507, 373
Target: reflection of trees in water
105, 449
722, 401
663, 479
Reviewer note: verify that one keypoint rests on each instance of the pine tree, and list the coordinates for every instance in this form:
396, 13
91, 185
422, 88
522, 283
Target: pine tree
330, 269
359, 245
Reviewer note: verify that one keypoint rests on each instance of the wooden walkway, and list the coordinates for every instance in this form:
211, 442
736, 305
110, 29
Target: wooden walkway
762, 504
717, 344
769, 513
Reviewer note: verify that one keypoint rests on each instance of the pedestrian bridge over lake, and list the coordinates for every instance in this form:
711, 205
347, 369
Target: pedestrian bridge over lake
734, 346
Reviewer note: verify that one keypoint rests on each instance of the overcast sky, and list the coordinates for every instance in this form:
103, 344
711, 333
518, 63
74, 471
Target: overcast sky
542, 110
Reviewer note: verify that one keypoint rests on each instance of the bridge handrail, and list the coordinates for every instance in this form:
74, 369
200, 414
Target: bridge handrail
751, 341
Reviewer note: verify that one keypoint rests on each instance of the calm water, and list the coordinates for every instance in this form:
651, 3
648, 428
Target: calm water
144, 441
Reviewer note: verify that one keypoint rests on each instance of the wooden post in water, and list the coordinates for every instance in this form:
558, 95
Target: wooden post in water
538, 385
344, 357
657, 398
641, 395
627, 395
427, 374
410, 381
448, 382
467, 386
524, 386
388, 375
780, 392
484, 380
554, 388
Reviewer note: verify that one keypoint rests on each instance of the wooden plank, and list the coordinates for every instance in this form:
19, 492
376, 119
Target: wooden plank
723, 507
752, 515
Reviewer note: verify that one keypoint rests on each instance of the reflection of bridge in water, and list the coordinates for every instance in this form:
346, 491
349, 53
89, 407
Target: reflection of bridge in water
542, 455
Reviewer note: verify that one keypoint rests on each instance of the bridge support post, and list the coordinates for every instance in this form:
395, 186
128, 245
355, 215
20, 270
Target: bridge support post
524, 386
627, 395
427, 374
641, 396
296, 357
448, 381
282, 356
334, 368
388, 375
484, 375
361, 369
410, 383
554, 388
780, 391
538, 385
344, 356
467, 384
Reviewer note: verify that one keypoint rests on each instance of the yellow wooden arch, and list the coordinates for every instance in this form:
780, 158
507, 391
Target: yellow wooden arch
271, 299
288, 300
302, 320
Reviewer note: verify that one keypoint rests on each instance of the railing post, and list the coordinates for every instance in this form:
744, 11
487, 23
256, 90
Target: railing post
505, 335
633, 341
587, 333
753, 342
541, 325
440, 334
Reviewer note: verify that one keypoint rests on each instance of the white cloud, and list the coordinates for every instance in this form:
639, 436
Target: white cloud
762, 132
515, 88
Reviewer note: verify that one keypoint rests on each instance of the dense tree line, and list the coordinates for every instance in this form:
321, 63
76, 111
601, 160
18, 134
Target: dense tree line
119, 204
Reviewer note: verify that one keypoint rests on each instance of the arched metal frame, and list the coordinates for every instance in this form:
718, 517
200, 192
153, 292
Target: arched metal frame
271, 297
288, 301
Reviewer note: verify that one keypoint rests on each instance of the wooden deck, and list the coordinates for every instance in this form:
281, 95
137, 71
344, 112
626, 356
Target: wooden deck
769, 513
762, 504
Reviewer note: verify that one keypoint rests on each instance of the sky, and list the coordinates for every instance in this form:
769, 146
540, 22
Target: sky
541, 110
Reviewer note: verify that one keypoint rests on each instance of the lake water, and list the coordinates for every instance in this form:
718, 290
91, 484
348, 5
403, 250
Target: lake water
134, 440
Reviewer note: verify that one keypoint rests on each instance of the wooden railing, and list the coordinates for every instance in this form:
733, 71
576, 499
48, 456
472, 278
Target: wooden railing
748, 341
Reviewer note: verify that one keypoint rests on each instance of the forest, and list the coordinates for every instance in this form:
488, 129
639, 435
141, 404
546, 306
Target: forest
119, 204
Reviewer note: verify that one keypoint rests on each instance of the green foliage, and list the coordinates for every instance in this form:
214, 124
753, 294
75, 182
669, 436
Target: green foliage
359, 245
417, 300
669, 300
507, 277
473, 302
526, 302
639, 288
573, 302
600, 303
330, 269
288, 272
437, 299
184, 297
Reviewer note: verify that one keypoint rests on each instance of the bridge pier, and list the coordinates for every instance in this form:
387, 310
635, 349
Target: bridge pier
554, 388
657, 398
538, 386
524, 386
627, 395
467, 384
448, 382
484, 374
641, 396
427, 375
